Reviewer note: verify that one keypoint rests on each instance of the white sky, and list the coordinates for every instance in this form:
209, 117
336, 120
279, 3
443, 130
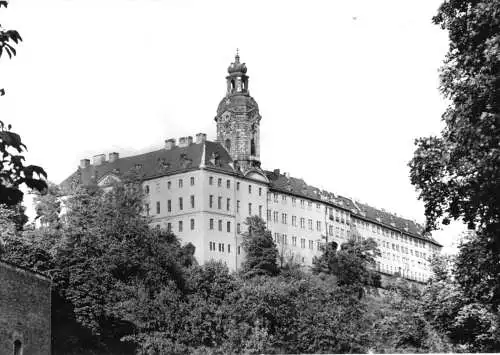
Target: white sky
344, 87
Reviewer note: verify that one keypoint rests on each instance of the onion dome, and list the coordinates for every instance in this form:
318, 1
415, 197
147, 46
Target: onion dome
237, 67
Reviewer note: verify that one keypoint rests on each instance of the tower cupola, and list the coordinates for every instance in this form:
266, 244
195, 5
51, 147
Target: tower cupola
237, 80
238, 118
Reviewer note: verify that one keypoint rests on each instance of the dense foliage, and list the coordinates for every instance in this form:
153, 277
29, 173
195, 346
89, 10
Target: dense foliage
120, 287
13, 172
457, 173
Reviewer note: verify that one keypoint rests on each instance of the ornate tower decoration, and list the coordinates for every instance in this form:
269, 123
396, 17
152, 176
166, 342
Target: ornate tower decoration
238, 119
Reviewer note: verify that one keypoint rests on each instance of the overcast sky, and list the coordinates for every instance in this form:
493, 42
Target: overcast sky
344, 87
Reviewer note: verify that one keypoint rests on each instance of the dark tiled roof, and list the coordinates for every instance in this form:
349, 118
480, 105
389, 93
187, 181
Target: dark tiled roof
298, 187
157, 163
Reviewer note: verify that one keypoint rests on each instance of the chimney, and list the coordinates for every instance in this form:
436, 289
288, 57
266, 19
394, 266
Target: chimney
184, 141
277, 172
189, 140
201, 138
84, 163
169, 143
99, 159
113, 157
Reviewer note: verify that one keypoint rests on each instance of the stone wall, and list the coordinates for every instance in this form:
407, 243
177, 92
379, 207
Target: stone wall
24, 311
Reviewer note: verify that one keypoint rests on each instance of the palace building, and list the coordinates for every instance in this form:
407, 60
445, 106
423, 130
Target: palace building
203, 191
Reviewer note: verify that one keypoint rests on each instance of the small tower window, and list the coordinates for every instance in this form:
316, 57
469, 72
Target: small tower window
227, 144
252, 146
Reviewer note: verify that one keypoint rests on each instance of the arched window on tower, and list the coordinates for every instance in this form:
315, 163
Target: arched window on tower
232, 85
252, 146
227, 144
18, 347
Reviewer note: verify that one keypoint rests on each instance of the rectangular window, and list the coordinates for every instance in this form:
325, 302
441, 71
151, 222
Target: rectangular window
294, 221
249, 189
239, 250
180, 182
157, 207
180, 226
238, 186
192, 201
192, 224
192, 180
275, 197
330, 230
294, 201
302, 203
283, 198
302, 222
238, 206
220, 225
285, 239
276, 216
249, 209
269, 215
219, 182
210, 180
238, 228
146, 207
228, 184
169, 184
302, 243
210, 245
228, 227
169, 205
169, 227
311, 246
294, 240
181, 206
260, 211
310, 224
283, 218
146, 189
228, 204
318, 226
219, 202
260, 191
229, 248
211, 201
211, 223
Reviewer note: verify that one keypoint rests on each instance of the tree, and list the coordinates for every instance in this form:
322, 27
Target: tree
457, 174
469, 322
261, 252
13, 172
353, 264
48, 206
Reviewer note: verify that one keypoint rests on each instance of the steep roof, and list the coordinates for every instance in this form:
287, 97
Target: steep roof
157, 163
300, 188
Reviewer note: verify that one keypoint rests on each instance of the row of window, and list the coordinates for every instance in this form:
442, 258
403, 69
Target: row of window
180, 205
419, 276
403, 249
180, 225
376, 229
228, 205
220, 247
280, 238
180, 183
228, 184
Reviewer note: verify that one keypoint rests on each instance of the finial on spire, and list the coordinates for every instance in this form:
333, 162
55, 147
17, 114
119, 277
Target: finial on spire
237, 57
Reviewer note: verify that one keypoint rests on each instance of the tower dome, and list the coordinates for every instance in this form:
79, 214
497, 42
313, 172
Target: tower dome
237, 67
238, 118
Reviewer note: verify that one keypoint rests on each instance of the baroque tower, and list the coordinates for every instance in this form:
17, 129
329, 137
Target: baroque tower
238, 119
